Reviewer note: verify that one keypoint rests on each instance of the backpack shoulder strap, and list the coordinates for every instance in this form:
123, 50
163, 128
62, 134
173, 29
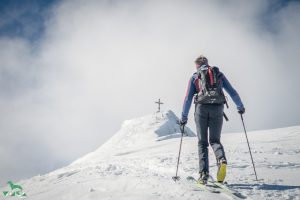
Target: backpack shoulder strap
217, 71
200, 73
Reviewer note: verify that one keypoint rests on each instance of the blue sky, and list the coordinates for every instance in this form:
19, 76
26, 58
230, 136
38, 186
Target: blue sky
24, 18
268, 18
72, 71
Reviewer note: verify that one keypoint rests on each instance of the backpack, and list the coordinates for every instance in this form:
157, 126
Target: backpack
210, 85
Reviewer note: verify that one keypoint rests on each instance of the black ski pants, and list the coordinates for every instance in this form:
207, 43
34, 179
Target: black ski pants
209, 119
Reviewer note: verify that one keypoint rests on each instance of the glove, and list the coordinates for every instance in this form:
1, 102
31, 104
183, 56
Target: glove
241, 110
183, 122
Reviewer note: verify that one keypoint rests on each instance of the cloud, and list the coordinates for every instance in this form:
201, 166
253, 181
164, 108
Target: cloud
101, 62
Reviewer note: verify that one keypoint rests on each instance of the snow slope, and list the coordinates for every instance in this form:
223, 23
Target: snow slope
139, 161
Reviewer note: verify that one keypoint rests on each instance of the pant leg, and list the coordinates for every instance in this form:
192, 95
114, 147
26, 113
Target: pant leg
215, 124
201, 120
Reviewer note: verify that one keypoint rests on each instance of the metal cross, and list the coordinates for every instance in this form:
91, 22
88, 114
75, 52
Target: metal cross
159, 103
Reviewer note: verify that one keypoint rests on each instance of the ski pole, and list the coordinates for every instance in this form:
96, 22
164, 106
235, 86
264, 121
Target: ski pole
176, 177
249, 146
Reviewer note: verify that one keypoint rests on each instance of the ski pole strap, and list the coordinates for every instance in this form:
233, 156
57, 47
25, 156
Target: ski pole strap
225, 116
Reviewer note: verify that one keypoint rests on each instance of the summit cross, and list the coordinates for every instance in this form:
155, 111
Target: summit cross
159, 103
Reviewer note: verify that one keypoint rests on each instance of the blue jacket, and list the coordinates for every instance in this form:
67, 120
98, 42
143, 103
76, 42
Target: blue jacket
193, 88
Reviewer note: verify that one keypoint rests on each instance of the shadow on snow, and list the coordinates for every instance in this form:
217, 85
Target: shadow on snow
264, 186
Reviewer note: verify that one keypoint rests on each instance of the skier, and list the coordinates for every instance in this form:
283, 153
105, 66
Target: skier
206, 85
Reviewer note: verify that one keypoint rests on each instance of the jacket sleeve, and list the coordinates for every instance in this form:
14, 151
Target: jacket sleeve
191, 91
233, 93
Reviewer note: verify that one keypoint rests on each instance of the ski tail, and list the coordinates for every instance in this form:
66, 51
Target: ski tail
228, 191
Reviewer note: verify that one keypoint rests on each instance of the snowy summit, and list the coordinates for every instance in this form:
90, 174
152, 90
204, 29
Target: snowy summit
138, 162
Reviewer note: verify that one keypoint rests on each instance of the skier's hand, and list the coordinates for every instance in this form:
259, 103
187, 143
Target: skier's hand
241, 110
182, 123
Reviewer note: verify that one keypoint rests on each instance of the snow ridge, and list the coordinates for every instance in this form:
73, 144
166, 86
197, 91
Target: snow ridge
140, 159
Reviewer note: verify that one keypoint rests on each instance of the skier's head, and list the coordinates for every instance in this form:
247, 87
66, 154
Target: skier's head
201, 60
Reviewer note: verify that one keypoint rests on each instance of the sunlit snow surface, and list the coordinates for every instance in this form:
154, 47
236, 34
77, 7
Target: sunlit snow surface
138, 163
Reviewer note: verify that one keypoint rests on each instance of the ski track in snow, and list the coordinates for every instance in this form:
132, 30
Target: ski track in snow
139, 161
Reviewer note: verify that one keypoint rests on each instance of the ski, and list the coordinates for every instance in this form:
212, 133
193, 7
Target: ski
204, 187
213, 186
226, 190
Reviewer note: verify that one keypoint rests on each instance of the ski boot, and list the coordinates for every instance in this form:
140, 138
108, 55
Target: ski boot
203, 178
221, 170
